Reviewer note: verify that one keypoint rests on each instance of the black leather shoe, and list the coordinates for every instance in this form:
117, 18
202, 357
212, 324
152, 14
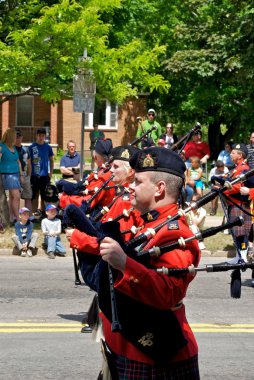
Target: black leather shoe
86, 329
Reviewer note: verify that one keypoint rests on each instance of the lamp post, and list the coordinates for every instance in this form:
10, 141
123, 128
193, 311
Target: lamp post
84, 90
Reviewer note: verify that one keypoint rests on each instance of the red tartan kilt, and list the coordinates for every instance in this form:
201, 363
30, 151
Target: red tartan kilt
133, 370
234, 212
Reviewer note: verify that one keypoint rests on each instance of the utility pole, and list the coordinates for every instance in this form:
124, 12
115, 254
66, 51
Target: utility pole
84, 90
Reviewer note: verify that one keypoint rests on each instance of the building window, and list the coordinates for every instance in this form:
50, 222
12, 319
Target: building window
24, 111
105, 115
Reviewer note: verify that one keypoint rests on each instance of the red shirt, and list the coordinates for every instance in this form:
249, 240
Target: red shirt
199, 149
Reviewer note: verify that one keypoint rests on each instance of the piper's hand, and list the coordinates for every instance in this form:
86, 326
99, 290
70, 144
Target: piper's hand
112, 253
69, 232
244, 190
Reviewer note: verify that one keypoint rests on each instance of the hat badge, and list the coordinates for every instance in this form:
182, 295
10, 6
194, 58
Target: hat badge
148, 161
149, 216
125, 154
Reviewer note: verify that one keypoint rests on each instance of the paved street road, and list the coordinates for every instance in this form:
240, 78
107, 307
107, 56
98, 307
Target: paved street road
41, 310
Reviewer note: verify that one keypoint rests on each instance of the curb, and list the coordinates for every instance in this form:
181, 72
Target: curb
38, 252
41, 252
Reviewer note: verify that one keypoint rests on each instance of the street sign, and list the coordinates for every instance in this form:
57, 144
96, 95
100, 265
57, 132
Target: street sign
84, 89
83, 103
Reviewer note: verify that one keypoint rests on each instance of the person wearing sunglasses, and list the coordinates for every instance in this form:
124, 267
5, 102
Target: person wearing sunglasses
147, 124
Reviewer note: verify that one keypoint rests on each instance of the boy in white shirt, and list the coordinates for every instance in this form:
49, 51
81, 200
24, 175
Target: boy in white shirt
51, 228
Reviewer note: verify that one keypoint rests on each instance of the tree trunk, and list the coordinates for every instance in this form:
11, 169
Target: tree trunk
215, 139
4, 209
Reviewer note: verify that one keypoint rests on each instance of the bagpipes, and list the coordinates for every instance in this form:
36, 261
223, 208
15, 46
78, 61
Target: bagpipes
85, 205
105, 209
183, 141
141, 240
235, 286
107, 168
90, 200
124, 214
181, 243
220, 267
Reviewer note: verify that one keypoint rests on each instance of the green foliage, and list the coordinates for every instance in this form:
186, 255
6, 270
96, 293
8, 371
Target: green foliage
60, 153
44, 56
193, 57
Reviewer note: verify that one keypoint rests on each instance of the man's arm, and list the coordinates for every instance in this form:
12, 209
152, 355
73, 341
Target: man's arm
66, 171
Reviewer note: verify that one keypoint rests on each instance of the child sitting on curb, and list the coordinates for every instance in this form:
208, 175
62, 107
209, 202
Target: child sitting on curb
25, 239
51, 228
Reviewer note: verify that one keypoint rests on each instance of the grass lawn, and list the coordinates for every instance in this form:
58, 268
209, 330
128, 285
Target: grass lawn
219, 242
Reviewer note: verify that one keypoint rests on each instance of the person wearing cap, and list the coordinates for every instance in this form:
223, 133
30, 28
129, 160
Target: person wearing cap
11, 172
123, 176
71, 160
239, 154
42, 161
147, 124
51, 228
25, 239
102, 154
25, 161
155, 339
94, 135
197, 148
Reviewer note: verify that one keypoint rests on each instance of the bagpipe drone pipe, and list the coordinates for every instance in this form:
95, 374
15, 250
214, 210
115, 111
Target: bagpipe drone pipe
112, 229
141, 240
86, 204
144, 237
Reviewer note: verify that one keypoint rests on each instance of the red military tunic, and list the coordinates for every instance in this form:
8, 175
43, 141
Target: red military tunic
89, 244
103, 198
158, 290
241, 166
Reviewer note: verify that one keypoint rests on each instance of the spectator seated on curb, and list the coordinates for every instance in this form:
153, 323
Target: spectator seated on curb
25, 239
51, 228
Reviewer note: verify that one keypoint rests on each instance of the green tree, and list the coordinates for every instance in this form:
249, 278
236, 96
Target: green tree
42, 57
210, 68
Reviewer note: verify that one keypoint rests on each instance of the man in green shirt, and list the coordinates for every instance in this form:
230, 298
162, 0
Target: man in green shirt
148, 124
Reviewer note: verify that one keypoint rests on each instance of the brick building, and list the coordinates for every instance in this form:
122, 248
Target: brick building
28, 113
